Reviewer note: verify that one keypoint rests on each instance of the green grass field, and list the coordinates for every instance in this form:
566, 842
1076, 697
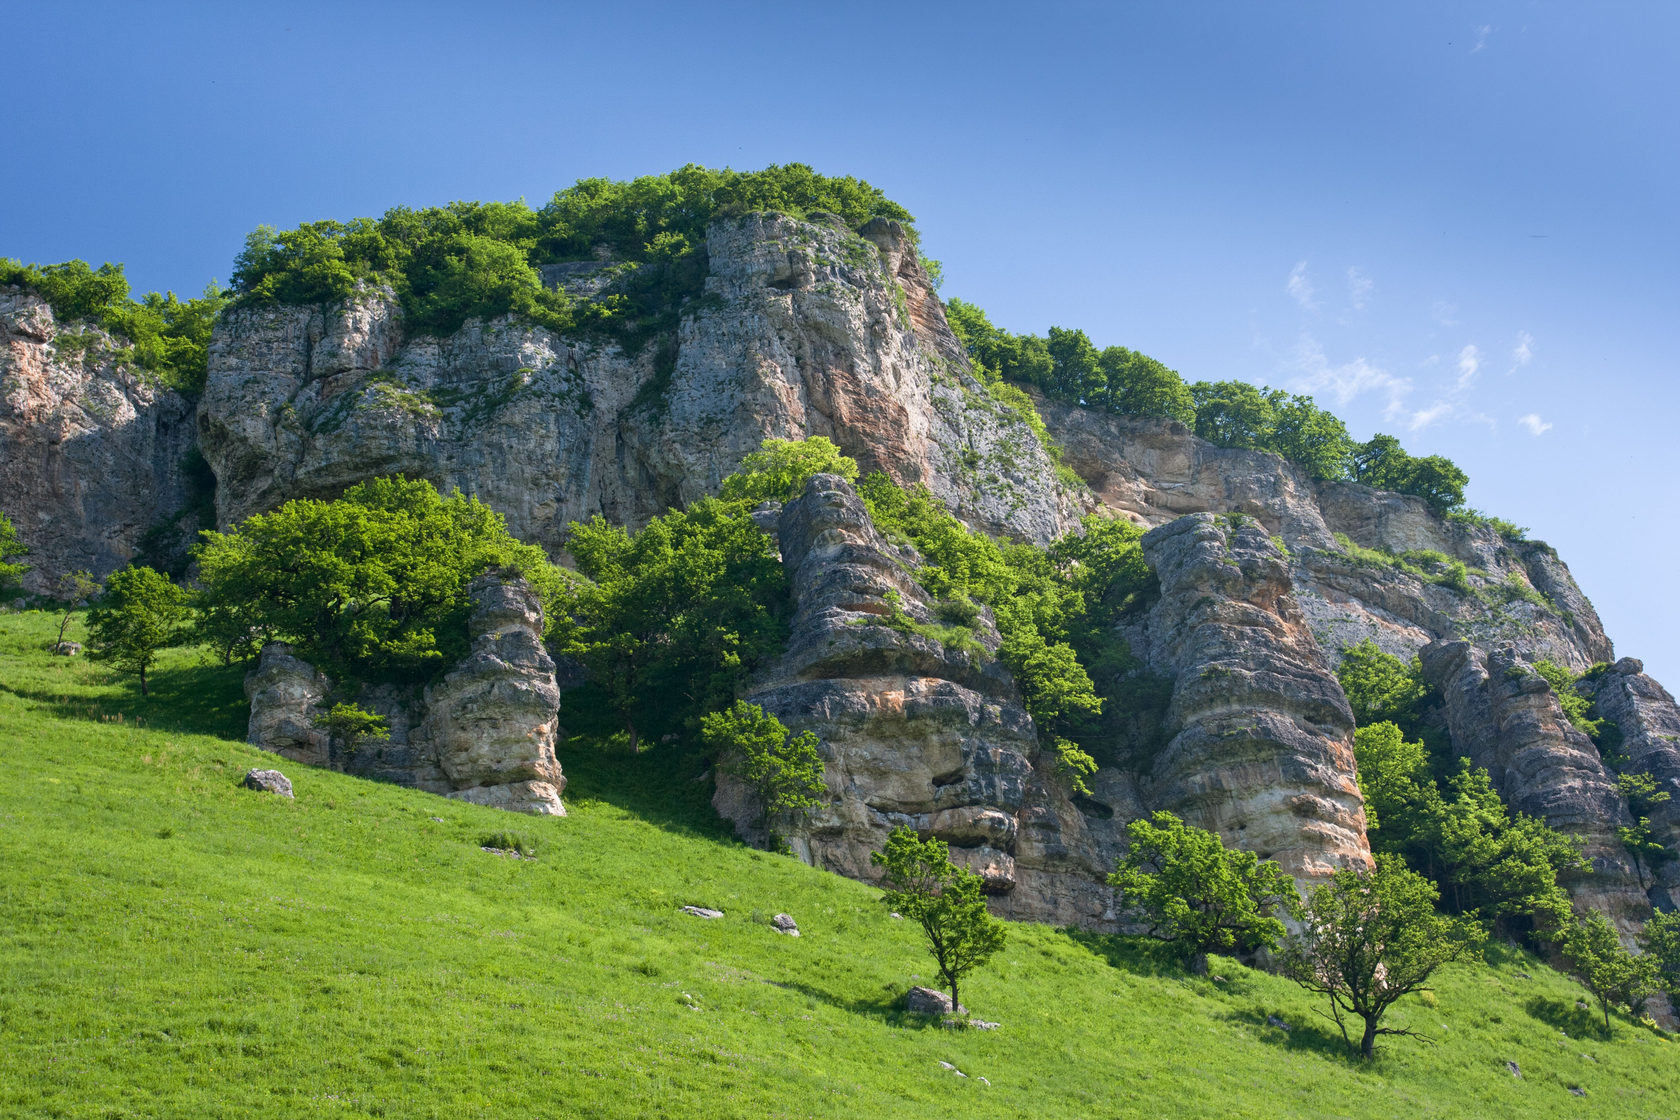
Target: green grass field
173, 946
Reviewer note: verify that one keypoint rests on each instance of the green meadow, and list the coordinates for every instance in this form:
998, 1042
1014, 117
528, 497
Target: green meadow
172, 945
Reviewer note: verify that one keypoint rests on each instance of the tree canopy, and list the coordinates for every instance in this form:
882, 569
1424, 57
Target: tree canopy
946, 901
779, 470
1191, 891
139, 614
372, 585
785, 771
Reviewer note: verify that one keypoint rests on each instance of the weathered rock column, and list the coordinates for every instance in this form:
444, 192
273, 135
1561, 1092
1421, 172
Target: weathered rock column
1650, 726
491, 721
287, 695
1263, 749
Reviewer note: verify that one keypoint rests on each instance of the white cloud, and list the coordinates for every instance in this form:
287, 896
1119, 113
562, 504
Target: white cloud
1469, 363
1359, 287
1300, 289
1423, 417
1523, 352
1534, 424
1482, 34
1315, 375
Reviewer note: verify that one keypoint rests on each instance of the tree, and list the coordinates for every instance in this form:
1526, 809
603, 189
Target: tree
671, 621
1379, 686
1594, 955
1642, 795
1306, 434
1368, 939
350, 724
1138, 385
1198, 895
780, 469
785, 771
1383, 464
10, 549
74, 589
1078, 373
1661, 942
923, 885
140, 613
373, 584
1234, 413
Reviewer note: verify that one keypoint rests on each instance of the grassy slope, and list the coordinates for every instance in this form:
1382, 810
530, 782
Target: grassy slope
171, 945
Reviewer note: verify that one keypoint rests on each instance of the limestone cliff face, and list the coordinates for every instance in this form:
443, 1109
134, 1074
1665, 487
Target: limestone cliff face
1263, 745
91, 449
912, 732
484, 732
807, 329
1504, 717
1649, 722
1154, 471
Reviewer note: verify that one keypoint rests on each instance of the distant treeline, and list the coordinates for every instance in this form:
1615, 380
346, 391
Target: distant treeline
1066, 366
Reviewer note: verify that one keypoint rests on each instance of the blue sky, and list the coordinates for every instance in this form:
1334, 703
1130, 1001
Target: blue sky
1452, 222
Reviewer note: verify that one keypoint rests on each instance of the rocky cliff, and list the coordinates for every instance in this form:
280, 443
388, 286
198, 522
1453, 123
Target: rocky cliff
809, 328
94, 453
806, 329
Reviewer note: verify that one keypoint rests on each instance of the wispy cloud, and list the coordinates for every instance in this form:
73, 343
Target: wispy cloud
1423, 417
1482, 33
1300, 288
1359, 287
1535, 425
1469, 364
1314, 374
1523, 352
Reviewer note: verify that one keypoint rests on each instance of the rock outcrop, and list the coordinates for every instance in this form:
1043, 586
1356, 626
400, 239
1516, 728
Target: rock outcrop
1262, 749
807, 329
1393, 592
93, 451
1648, 722
484, 732
913, 732
1504, 717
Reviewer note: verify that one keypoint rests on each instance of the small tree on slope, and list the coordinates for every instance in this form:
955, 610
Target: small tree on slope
785, 771
1370, 938
1195, 893
1595, 956
945, 900
140, 613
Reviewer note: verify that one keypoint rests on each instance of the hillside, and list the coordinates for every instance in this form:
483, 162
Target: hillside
176, 946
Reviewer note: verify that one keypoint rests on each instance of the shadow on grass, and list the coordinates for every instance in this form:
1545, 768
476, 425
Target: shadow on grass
1316, 1034
1142, 956
1570, 1018
195, 699
886, 1008
663, 785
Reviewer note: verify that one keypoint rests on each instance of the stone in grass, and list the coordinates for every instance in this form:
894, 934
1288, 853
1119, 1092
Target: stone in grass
67, 649
1274, 1021
702, 911
1516, 1070
930, 1001
784, 923
969, 1024
268, 781
1577, 1090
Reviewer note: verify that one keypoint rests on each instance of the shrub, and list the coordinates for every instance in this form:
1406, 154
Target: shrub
1196, 894
516, 842
10, 549
785, 771
1593, 952
351, 724
782, 467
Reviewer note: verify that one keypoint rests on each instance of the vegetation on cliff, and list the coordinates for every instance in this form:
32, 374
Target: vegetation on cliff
1066, 366
168, 337
481, 259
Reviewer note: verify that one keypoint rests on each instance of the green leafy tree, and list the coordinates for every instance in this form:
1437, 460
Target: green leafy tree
1193, 892
1642, 795
1306, 434
1077, 371
352, 725
372, 585
1577, 709
1393, 774
785, 771
1137, 385
1235, 413
671, 621
1379, 686
74, 590
782, 467
945, 900
1661, 942
1594, 954
10, 549
1369, 939
140, 614
1382, 463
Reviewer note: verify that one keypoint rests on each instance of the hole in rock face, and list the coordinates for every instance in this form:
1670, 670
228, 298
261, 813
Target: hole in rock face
940, 781
1091, 807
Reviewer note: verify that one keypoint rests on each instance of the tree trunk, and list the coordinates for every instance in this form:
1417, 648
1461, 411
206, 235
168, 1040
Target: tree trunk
1368, 1044
143, 691
1199, 963
635, 739
956, 1004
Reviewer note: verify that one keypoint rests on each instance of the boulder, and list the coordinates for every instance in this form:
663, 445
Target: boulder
784, 923
267, 781
929, 1001
66, 649
702, 912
